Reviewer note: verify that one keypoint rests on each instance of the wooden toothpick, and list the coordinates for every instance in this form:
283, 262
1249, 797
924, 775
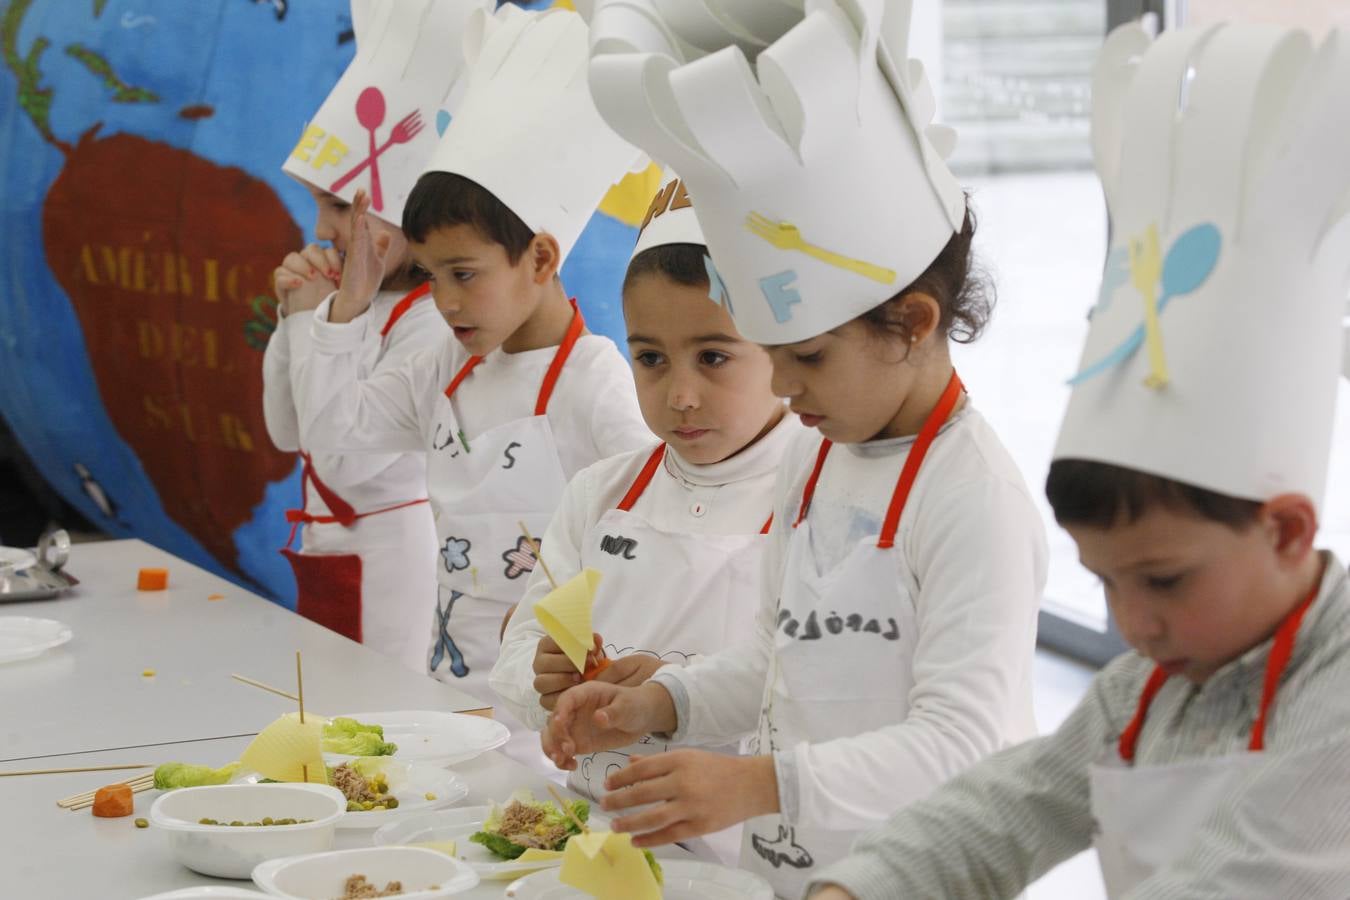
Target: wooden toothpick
534, 546
562, 804
266, 687
300, 691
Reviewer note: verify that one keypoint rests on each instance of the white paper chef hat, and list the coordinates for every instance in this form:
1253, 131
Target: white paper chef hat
379, 124
816, 175
1223, 154
670, 218
526, 128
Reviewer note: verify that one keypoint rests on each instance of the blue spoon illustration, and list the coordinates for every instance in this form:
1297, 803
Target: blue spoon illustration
1189, 261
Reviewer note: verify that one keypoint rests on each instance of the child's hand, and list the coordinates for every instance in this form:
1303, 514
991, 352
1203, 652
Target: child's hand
695, 792
602, 716
631, 670
831, 892
304, 279
554, 672
363, 272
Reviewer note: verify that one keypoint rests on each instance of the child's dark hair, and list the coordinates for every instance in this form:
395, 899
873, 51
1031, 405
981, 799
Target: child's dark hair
443, 200
962, 290
1097, 494
681, 263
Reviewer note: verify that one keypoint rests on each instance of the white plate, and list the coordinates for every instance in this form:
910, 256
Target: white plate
685, 879
23, 637
436, 738
12, 559
208, 893
457, 825
320, 876
408, 782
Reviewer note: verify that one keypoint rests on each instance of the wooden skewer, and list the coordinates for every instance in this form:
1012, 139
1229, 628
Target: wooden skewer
78, 769
266, 687
300, 690
86, 799
534, 546
562, 804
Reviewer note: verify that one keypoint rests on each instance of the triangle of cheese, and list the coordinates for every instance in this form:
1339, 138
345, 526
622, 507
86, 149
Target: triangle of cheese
607, 866
566, 615
283, 750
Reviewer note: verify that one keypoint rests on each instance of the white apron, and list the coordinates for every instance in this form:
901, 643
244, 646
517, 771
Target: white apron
642, 608
359, 572
1147, 815
485, 486
843, 652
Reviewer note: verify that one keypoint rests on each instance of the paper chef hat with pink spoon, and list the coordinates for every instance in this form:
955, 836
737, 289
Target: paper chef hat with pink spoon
1216, 343
804, 137
380, 123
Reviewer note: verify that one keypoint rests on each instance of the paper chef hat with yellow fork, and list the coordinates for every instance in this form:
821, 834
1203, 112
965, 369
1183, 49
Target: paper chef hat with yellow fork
379, 124
815, 172
526, 128
1215, 345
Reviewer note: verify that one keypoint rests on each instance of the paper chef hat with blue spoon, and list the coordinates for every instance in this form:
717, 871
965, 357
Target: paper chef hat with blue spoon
380, 123
804, 137
1215, 345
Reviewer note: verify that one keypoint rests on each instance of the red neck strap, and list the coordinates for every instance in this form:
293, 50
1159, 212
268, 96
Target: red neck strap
402, 307
574, 329
927, 434
1280, 651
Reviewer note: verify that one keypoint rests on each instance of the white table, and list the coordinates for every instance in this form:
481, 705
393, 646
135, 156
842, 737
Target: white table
52, 853
90, 694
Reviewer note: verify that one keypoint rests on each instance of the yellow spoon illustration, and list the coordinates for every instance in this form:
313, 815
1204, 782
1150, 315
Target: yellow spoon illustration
786, 236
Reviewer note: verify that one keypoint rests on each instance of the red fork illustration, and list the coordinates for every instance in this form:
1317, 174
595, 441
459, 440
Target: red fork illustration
403, 131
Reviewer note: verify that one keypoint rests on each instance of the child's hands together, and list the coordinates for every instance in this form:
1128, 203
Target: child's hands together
554, 672
305, 278
598, 715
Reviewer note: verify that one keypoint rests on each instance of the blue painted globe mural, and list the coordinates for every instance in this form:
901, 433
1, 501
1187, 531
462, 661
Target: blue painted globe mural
144, 209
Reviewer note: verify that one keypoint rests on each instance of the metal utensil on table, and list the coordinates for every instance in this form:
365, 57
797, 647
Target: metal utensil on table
44, 579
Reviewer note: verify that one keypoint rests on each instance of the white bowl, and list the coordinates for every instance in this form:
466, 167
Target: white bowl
322, 876
233, 852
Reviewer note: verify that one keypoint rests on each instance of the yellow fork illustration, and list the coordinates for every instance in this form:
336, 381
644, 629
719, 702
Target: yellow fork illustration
1145, 272
786, 236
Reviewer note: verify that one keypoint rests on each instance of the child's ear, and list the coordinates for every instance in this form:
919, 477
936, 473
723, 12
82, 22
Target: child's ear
1291, 520
544, 256
920, 315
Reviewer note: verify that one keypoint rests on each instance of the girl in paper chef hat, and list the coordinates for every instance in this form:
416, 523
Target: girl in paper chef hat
898, 610
368, 543
1213, 759
676, 530
520, 397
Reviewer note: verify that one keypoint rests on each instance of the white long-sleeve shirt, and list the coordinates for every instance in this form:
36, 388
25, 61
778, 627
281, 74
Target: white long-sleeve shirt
365, 480
975, 558
593, 410
1284, 830
731, 497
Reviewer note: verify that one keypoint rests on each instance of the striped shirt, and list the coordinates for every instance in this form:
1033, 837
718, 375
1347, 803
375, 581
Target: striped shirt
1286, 832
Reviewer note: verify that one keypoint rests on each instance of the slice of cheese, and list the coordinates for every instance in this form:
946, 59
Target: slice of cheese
535, 855
566, 615
287, 750
607, 866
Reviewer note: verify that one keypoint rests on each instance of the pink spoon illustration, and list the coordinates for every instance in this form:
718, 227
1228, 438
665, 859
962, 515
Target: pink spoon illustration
370, 113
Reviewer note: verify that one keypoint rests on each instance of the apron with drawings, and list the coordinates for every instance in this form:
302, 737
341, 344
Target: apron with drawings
335, 589
1147, 816
843, 654
642, 608
485, 486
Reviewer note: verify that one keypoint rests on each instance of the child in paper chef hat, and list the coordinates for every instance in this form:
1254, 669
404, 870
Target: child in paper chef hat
1214, 759
678, 529
520, 397
898, 612
365, 567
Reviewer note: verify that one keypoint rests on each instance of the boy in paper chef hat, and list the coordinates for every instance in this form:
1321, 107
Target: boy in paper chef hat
520, 398
365, 567
700, 499
905, 565
1214, 759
